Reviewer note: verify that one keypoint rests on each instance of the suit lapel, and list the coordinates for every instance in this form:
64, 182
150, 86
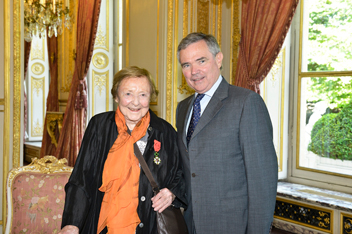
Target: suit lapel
213, 107
185, 115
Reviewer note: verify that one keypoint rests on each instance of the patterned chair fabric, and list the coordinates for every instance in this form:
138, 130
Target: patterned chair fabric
36, 196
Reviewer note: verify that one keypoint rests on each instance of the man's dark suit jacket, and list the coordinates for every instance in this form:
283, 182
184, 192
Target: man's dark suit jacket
230, 164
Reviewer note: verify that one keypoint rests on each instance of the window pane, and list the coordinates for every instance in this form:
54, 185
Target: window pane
327, 35
326, 124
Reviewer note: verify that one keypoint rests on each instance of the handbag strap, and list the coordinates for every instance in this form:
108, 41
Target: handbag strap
145, 168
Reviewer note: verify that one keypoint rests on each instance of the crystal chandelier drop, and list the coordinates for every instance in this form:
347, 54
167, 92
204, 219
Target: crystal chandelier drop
42, 15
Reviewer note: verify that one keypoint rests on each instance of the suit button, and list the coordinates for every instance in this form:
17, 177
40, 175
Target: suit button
142, 198
193, 174
141, 225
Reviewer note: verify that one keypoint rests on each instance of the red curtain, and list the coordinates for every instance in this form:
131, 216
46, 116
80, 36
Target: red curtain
52, 101
27, 50
264, 25
75, 114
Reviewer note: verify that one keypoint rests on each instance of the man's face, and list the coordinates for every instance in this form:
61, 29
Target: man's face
199, 66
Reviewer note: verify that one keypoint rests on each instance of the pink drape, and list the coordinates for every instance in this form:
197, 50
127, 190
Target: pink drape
52, 101
264, 25
75, 114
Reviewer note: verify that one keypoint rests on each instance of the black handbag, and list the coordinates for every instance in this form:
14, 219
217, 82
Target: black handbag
171, 220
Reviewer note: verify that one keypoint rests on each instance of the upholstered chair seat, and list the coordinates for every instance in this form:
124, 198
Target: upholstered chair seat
36, 196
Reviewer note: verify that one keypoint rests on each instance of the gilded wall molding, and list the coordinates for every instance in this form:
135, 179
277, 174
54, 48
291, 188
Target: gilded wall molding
127, 56
155, 100
169, 74
175, 62
219, 22
17, 81
37, 87
67, 53
185, 18
282, 113
203, 16
236, 37
7, 108
184, 88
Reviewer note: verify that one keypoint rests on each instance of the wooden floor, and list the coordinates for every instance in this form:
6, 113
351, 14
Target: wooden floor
278, 231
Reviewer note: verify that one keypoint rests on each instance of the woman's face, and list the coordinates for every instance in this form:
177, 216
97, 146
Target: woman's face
133, 98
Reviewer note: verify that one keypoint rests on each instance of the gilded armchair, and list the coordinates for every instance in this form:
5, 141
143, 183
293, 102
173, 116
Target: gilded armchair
36, 196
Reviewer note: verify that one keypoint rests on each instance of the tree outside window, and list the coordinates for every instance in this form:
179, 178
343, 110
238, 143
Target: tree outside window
325, 121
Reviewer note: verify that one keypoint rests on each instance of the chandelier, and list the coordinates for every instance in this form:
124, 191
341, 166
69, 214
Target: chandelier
42, 15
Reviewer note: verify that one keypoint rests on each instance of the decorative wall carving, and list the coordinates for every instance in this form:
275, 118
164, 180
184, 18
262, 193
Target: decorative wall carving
37, 128
100, 40
54, 121
37, 85
37, 68
37, 51
102, 37
100, 60
100, 92
37, 107
99, 81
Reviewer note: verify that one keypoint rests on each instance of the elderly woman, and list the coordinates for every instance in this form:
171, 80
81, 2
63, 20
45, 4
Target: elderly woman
108, 191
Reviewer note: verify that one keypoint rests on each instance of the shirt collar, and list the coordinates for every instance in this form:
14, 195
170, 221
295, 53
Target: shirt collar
212, 90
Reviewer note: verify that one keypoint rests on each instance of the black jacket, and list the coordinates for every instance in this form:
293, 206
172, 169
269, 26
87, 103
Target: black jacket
83, 199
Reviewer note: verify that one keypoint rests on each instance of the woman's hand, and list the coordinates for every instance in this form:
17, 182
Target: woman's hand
69, 229
162, 200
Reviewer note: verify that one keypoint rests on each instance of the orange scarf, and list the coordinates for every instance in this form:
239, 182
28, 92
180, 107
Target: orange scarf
121, 180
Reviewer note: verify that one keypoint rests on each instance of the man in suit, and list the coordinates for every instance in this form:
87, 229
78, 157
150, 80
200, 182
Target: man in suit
226, 143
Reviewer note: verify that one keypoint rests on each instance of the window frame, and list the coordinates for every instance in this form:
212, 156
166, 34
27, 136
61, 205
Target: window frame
297, 173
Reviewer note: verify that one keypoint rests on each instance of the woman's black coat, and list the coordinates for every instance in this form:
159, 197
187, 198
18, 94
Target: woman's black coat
83, 199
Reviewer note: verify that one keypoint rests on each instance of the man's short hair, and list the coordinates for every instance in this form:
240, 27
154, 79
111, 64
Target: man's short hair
194, 37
